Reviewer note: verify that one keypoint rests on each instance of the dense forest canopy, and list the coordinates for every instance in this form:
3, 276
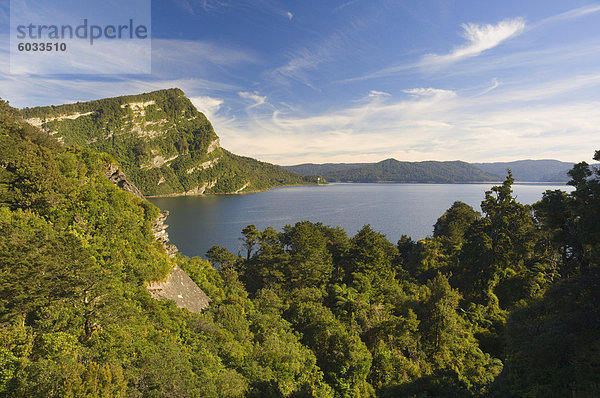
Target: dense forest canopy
502, 302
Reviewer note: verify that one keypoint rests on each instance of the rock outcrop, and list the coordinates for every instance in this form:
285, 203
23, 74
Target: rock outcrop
159, 229
117, 177
178, 286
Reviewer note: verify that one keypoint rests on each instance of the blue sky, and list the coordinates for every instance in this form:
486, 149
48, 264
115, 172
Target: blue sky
364, 80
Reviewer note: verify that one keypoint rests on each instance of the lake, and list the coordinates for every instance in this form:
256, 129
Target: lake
197, 223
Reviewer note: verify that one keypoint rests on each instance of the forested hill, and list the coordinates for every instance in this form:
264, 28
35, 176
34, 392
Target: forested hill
162, 142
391, 170
530, 170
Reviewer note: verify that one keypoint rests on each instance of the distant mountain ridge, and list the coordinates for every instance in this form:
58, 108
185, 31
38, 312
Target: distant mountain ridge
392, 170
545, 170
162, 142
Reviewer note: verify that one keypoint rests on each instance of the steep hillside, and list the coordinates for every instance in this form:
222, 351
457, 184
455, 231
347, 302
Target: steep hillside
76, 314
391, 170
530, 170
162, 142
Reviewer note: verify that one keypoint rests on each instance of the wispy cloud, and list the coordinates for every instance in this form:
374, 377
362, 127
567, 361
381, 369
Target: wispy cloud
560, 57
201, 58
207, 105
479, 39
378, 94
257, 100
301, 62
4, 16
196, 6
495, 84
344, 5
569, 15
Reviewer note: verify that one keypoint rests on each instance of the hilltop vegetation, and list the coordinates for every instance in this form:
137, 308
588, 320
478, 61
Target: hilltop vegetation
162, 142
502, 302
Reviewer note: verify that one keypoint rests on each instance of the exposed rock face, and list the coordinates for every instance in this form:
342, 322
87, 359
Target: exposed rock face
159, 229
117, 177
180, 288
213, 145
38, 122
204, 165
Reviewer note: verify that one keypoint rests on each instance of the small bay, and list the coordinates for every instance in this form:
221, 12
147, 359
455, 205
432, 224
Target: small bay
197, 223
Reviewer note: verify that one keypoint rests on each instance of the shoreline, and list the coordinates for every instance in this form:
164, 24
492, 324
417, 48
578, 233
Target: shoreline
174, 195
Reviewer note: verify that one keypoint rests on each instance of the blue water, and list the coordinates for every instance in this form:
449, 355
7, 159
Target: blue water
196, 223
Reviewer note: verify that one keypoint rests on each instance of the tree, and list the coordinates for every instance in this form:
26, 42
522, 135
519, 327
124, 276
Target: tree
454, 223
553, 342
502, 240
250, 240
572, 219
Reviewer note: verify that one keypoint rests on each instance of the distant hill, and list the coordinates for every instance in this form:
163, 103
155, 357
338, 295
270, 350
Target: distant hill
311, 169
392, 170
162, 142
530, 170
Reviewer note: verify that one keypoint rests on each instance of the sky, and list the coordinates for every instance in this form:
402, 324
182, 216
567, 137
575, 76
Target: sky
326, 81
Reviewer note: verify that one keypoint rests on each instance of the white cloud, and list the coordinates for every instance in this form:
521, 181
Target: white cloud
479, 39
255, 98
207, 105
430, 92
375, 93
505, 122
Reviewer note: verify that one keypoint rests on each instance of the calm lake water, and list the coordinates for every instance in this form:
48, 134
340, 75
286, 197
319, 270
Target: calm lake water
197, 223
